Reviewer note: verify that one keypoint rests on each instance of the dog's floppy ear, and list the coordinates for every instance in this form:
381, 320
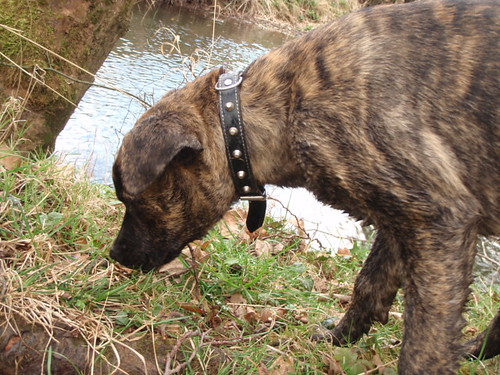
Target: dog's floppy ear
149, 148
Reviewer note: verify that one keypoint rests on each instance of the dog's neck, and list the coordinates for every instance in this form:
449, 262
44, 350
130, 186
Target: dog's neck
269, 136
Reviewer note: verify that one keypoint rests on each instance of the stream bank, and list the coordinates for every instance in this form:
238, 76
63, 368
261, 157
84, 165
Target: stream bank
49, 53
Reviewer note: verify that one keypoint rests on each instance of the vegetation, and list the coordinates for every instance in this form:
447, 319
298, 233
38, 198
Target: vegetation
233, 303
288, 11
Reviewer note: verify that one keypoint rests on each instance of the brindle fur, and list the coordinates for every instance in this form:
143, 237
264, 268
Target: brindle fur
391, 114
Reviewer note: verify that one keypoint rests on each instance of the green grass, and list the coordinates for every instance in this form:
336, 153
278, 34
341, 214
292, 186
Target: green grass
236, 304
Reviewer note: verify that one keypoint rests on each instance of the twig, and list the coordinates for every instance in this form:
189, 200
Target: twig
194, 266
32, 75
306, 235
143, 102
380, 367
485, 255
175, 349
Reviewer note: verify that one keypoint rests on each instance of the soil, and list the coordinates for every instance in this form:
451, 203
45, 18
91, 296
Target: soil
30, 349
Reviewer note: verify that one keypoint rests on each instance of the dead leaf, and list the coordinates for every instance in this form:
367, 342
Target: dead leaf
240, 308
299, 226
13, 341
250, 315
193, 308
396, 315
267, 315
278, 248
244, 235
377, 361
262, 248
301, 316
237, 298
344, 252
175, 268
284, 365
8, 159
333, 367
213, 317
321, 285
232, 223
123, 269
199, 251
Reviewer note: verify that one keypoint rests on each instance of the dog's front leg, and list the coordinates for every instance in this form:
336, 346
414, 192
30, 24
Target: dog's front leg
374, 290
436, 289
487, 343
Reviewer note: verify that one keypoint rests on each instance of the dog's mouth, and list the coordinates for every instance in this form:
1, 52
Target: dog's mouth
143, 260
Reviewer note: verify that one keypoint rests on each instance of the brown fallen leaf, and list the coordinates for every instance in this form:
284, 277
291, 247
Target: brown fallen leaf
250, 315
237, 298
262, 248
333, 366
193, 308
175, 268
13, 341
232, 223
284, 365
344, 252
199, 251
278, 248
301, 316
267, 315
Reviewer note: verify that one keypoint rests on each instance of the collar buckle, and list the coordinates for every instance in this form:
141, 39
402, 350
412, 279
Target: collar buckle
253, 198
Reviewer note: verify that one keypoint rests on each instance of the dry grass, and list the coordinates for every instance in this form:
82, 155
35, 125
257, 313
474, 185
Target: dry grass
233, 304
299, 14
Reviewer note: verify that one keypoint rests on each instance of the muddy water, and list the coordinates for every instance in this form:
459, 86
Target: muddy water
139, 64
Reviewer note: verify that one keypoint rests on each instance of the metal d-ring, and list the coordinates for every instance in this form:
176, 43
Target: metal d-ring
231, 85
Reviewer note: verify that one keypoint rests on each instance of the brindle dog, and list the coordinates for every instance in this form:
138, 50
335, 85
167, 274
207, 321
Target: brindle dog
391, 114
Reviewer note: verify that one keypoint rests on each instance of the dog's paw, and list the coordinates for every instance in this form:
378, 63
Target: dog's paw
326, 332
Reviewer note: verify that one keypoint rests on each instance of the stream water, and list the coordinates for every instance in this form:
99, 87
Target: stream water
141, 64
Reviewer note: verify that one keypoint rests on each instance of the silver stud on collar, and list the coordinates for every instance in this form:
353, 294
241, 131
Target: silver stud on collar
228, 82
229, 106
237, 154
247, 189
233, 130
241, 175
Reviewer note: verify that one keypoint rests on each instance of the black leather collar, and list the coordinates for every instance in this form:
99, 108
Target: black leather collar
236, 149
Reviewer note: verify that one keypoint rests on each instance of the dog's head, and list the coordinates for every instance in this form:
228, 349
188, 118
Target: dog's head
172, 176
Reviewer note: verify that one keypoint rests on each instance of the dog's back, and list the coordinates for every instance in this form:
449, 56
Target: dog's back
416, 87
